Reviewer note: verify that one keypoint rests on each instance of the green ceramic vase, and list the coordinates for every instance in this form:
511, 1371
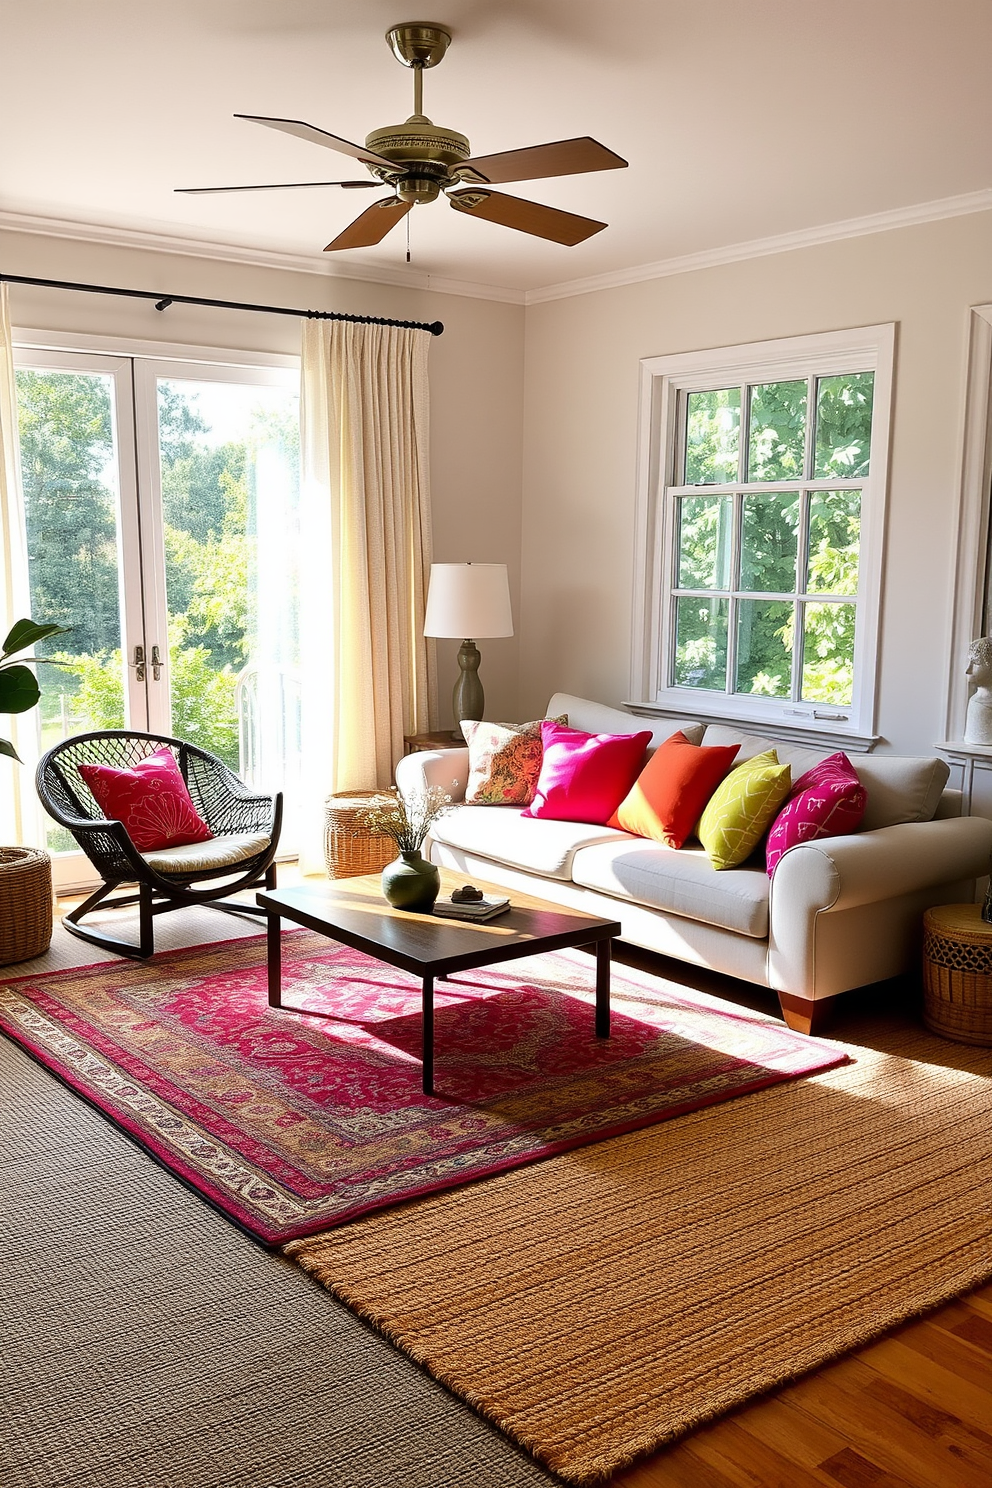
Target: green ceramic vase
411, 882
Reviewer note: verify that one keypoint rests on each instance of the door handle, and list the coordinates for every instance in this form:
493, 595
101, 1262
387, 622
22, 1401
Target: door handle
139, 663
156, 665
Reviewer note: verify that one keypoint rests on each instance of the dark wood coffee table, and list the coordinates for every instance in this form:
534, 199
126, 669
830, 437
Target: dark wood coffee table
353, 911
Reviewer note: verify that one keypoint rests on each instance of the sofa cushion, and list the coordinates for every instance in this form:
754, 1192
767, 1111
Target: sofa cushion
506, 835
742, 808
584, 777
680, 882
901, 787
667, 798
828, 801
597, 718
504, 761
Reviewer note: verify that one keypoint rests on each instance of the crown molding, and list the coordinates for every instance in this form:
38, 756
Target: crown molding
266, 258
809, 237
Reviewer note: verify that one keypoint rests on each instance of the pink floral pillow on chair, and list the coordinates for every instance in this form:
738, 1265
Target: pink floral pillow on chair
150, 799
828, 801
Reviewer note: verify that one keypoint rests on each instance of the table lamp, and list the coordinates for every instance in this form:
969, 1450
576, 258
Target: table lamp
468, 600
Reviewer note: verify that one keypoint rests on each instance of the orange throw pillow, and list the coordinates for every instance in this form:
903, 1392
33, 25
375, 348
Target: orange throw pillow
667, 798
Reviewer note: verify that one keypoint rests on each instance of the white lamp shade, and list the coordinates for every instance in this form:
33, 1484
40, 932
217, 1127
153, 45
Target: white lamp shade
466, 601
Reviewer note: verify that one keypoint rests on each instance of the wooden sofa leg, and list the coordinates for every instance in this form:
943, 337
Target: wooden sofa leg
806, 1014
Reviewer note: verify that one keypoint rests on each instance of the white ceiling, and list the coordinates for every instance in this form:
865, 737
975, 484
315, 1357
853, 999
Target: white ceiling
741, 119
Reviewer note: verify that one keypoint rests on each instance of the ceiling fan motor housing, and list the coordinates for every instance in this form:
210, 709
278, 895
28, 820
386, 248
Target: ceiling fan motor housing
425, 152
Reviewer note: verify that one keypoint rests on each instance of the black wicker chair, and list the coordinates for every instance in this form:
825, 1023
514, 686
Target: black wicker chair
226, 805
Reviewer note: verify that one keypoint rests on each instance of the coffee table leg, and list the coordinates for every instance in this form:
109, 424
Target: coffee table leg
274, 945
604, 950
428, 1053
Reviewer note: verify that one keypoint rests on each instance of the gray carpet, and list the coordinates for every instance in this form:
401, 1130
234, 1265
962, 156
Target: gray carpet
147, 1344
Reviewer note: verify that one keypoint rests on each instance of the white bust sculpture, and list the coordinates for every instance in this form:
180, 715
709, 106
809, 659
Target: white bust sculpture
978, 723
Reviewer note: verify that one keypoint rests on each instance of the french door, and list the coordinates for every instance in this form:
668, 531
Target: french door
161, 507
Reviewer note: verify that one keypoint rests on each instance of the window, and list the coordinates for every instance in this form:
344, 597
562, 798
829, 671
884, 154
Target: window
761, 518
161, 506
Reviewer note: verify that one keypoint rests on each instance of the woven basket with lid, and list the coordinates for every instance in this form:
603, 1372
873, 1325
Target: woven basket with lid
957, 973
25, 903
349, 847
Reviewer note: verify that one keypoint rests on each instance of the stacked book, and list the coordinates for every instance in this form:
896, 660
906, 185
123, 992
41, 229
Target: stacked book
471, 909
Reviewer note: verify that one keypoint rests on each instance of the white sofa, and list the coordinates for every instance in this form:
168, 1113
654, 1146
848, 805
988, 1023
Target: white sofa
839, 913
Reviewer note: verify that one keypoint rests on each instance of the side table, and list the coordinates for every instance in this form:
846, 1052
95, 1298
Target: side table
957, 973
441, 739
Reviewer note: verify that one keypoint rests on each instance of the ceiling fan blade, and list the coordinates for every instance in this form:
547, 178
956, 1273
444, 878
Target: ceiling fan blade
561, 158
319, 137
525, 216
276, 186
372, 226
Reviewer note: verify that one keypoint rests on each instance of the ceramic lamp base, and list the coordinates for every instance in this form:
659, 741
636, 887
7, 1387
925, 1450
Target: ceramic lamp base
468, 699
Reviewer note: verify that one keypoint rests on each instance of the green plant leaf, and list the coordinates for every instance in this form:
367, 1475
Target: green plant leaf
8, 749
19, 689
27, 633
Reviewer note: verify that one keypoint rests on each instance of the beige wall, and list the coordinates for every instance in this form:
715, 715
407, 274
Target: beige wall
475, 375
580, 442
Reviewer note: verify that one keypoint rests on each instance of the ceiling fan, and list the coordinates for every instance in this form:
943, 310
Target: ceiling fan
420, 160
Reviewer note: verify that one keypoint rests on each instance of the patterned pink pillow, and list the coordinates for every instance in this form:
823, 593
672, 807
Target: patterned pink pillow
504, 761
151, 800
827, 801
584, 777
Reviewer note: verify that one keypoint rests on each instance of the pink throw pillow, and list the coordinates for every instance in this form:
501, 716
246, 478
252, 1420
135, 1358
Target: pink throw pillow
584, 777
827, 801
151, 800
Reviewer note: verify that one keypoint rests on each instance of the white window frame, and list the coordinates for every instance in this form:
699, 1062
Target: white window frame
663, 379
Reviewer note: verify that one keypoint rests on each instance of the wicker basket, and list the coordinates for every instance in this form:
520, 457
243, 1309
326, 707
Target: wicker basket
957, 973
349, 848
25, 903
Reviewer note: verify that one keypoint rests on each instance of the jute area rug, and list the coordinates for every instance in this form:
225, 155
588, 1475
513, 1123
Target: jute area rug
605, 1302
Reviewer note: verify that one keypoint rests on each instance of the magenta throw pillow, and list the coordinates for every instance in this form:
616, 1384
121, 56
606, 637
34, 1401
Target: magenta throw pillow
827, 801
584, 777
151, 800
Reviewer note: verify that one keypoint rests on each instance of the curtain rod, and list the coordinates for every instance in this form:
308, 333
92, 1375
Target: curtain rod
163, 301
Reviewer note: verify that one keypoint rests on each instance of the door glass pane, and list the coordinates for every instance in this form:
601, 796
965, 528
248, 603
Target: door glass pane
769, 542
701, 643
776, 431
712, 436
843, 425
834, 539
765, 629
705, 541
828, 653
230, 506
72, 500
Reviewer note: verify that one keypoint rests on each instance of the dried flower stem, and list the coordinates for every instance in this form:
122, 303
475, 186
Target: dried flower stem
407, 821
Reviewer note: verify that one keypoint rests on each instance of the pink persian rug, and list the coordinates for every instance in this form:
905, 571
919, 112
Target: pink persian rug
291, 1125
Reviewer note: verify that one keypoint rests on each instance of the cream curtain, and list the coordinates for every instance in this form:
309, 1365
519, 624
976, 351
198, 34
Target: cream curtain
19, 822
368, 672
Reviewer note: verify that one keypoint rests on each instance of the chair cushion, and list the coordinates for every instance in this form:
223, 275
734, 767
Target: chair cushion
150, 799
584, 777
219, 852
682, 883
508, 835
667, 798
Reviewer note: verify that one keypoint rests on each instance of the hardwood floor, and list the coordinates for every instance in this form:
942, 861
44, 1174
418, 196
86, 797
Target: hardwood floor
913, 1410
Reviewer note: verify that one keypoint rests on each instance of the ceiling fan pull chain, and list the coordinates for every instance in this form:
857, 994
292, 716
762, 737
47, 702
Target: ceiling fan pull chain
408, 237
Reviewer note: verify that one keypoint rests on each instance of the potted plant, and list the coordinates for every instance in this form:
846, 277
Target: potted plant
25, 872
410, 881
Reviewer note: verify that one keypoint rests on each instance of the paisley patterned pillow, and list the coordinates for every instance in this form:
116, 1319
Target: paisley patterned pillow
504, 761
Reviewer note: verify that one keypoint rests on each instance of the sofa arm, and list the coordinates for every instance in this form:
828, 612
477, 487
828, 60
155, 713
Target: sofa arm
448, 768
845, 911
838, 873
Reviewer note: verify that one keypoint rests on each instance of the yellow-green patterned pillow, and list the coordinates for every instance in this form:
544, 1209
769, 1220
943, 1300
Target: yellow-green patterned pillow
742, 808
